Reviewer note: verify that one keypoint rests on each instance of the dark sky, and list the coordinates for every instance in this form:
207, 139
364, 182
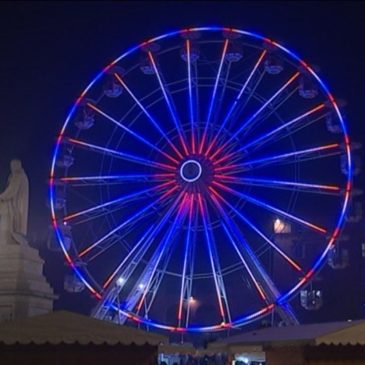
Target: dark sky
50, 51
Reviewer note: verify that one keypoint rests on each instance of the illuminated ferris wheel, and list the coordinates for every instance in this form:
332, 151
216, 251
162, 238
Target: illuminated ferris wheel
180, 168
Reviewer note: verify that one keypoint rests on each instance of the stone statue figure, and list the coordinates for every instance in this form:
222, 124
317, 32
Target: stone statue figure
14, 201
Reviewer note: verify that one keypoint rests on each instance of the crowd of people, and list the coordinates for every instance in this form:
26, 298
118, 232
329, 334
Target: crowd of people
218, 359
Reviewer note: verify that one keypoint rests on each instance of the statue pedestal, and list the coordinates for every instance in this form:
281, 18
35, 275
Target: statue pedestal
24, 291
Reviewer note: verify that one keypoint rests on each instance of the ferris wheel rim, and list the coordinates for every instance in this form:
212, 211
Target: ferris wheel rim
334, 235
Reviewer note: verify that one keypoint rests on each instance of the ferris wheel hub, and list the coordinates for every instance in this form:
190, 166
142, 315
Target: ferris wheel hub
190, 170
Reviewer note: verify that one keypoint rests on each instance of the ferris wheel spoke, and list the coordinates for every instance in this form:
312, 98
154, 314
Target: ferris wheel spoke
269, 136
281, 184
157, 276
127, 221
130, 224
191, 104
111, 210
274, 106
236, 101
148, 114
247, 123
271, 208
250, 273
119, 237
127, 229
281, 135
263, 107
233, 152
264, 280
115, 273
191, 258
188, 244
197, 101
122, 155
214, 262
128, 265
266, 288
240, 255
219, 102
114, 179
213, 98
250, 94
294, 264
315, 153
117, 280
123, 199
166, 241
169, 103
133, 133
146, 239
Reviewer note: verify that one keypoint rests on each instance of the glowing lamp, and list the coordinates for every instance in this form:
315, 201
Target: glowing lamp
281, 226
120, 281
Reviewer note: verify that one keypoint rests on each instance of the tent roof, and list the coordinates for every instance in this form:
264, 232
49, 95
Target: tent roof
66, 327
351, 332
351, 335
177, 348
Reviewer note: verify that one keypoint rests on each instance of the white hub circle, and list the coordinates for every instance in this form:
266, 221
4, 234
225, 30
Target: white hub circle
190, 170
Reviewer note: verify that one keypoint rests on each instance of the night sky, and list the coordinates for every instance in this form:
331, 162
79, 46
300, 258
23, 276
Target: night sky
50, 52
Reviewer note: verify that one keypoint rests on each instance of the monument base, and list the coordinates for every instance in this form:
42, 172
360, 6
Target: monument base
24, 291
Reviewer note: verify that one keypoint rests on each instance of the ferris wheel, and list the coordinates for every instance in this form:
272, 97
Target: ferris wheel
181, 167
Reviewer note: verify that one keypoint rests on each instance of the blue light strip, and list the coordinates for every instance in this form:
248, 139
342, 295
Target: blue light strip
165, 242
250, 273
269, 207
267, 102
281, 156
263, 236
284, 126
191, 108
271, 183
125, 198
253, 116
238, 98
169, 104
214, 94
187, 249
152, 235
134, 177
133, 133
130, 253
148, 114
208, 238
120, 226
124, 156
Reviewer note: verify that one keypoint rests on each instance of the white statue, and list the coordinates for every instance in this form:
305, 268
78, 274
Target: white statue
14, 203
